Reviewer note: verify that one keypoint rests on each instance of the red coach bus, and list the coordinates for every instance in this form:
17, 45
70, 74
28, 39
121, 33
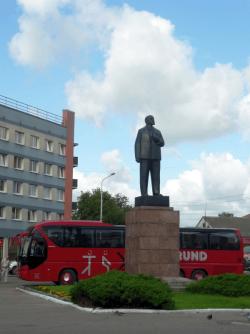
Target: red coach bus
206, 252
64, 252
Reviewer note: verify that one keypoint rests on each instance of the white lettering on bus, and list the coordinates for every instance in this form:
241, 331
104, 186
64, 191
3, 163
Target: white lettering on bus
88, 268
198, 256
106, 263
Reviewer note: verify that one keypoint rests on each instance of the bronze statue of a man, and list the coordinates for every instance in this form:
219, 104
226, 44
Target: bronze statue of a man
148, 145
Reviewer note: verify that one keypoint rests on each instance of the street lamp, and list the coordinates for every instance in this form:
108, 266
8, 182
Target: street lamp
111, 174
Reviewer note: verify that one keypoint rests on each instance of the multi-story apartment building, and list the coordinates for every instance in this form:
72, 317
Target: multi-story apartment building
36, 165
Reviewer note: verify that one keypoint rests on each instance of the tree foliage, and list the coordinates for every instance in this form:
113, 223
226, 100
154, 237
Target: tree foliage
225, 214
114, 207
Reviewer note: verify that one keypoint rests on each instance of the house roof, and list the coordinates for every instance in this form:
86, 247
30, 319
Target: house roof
242, 223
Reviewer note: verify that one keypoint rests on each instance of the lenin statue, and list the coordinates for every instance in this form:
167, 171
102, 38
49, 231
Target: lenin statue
148, 145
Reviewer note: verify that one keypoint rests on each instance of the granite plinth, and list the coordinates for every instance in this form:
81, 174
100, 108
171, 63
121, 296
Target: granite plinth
156, 200
152, 241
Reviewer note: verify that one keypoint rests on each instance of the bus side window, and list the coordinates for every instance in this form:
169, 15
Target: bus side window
194, 240
180, 240
224, 241
85, 238
110, 238
55, 234
70, 237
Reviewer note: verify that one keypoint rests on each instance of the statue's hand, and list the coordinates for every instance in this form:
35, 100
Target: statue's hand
156, 138
137, 160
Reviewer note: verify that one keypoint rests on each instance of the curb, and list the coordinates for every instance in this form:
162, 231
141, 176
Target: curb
123, 311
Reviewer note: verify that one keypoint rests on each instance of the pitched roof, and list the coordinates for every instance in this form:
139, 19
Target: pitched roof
242, 223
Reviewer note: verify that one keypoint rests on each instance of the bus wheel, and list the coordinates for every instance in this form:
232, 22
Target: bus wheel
67, 277
181, 273
198, 274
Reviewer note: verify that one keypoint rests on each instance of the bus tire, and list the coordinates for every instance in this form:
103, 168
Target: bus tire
198, 274
181, 273
67, 277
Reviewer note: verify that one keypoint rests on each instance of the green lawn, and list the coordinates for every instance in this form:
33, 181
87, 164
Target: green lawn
183, 300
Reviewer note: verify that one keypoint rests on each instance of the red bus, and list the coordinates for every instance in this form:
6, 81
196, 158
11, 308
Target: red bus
64, 252
206, 252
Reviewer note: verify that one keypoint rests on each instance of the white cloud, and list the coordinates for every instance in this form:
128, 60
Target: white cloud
216, 183
113, 162
117, 184
50, 30
244, 116
188, 188
146, 68
222, 174
41, 7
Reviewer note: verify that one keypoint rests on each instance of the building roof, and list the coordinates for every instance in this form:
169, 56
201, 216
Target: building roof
242, 223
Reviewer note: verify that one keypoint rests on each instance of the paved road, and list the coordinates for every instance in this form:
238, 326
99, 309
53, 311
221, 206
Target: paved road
23, 314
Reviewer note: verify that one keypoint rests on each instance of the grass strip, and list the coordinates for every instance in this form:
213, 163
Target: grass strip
183, 300
186, 301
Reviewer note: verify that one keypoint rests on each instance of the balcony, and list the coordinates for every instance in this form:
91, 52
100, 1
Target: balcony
75, 161
74, 183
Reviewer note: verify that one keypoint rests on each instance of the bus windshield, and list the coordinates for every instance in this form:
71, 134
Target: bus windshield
24, 247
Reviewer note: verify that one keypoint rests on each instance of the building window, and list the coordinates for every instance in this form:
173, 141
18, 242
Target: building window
2, 212
32, 217
4, 133
47, 169
34, 141
61, 172
45, 215
18, 163
16, 213
3, 160
33, 166
60, 195
3, 185
19, 137
17, 188
47, 193
49, 145
62, 149
32, 190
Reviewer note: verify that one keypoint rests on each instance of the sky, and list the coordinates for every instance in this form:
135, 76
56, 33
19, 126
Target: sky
114, 62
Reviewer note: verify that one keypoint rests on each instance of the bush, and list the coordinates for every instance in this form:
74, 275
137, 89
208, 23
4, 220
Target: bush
117, 289
226, 285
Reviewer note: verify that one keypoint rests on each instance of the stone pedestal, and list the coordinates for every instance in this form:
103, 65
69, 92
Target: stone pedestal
152, 241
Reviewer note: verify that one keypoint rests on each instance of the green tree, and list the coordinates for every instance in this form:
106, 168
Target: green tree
114, 207
225, 214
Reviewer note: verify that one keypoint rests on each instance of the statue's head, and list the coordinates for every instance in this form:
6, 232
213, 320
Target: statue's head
149, 120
